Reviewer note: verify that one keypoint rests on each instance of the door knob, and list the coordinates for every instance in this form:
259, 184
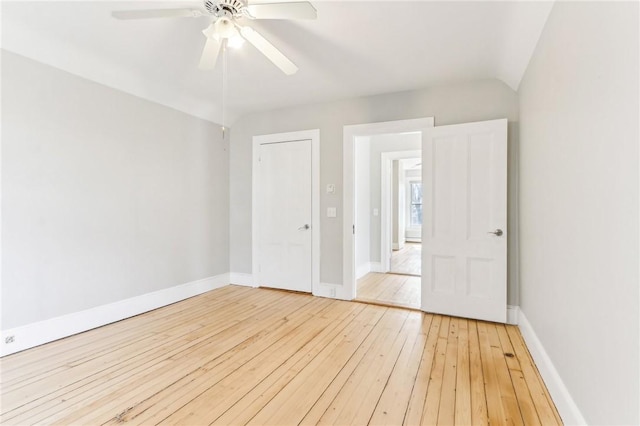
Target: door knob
304, 228
497, 232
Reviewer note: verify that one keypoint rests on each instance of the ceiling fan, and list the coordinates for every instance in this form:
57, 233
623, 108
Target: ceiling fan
225, 30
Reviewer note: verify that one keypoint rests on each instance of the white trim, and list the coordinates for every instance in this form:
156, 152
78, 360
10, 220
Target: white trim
567, 408
332, 291
314, 136
512, 314
363, 270
348, 182
240, 278
386, 201
38, 333
376, 267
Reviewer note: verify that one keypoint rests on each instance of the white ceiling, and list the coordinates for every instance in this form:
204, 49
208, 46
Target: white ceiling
352, 49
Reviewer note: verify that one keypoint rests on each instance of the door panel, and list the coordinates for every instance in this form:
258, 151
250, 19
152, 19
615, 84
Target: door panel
465, 199
285, 216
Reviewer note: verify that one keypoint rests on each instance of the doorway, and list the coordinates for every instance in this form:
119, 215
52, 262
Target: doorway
406, 216
464, 232
393, 277
382, 154
285, 243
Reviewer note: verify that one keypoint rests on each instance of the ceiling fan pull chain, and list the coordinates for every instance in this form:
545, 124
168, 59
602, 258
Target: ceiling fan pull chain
224, 86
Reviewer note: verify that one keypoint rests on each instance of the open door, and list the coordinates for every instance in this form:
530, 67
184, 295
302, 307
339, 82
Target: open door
464, 243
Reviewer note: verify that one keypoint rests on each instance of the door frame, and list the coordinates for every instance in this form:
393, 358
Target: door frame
314, 136
350, 133
386, 243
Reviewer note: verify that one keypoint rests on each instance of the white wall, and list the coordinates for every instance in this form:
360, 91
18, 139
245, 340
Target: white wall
362, 207
449, 104
579, 204
105, 196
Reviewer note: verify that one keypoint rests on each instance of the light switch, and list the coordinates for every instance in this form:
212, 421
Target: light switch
331, 212
375, 212
331, 188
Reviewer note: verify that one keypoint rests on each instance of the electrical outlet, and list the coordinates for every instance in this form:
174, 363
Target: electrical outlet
333, 292
10, 339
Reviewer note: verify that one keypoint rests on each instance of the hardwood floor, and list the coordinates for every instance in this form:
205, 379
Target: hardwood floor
255, 356
389, 289
407, 260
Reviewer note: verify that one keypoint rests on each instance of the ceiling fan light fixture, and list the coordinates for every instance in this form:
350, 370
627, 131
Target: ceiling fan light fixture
225, 28
236, 41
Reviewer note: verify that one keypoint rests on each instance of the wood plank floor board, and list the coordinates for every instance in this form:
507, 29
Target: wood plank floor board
390, 289
407, 260
446, 411
240, 355
463, 377
101, 381
205, 355
311, 382
357, 398
511, 411
192, 399
420, 389
434, 393
198, 381
337, 385
74, 356
477, 382
245, 408
229, 389
523, 397
392, 406
546, 410
373, 290
92, 342
286, 384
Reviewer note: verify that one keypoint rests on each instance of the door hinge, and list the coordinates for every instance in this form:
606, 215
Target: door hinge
354, 230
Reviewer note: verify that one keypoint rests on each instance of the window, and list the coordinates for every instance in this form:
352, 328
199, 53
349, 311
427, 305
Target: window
415, 213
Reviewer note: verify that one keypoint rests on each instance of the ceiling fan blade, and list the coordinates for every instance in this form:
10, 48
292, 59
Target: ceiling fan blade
269, 50
156, 13
210, 54
293, 10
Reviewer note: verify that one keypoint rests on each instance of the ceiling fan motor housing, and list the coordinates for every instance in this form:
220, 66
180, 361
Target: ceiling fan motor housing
224, 8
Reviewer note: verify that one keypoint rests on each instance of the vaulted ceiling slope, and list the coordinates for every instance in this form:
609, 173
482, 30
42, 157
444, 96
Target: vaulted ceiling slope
353, 49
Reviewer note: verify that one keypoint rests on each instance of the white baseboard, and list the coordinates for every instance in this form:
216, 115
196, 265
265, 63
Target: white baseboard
362, 270
376, 267
38, 333
512, 314
332, 291
240, 278
567, 408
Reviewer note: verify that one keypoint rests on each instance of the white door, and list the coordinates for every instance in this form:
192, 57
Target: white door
464, 260
284, 208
